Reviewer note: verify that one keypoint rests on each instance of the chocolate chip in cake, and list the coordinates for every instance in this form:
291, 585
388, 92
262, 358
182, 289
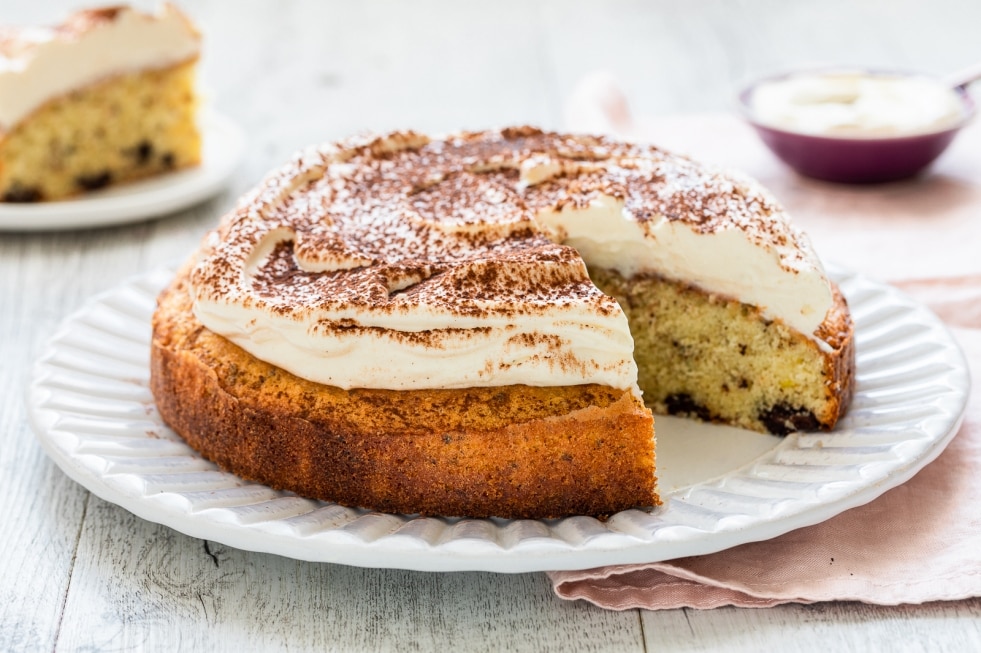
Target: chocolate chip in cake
143, 152
782, 419
95, 181
682, 405
22, 194
168, 160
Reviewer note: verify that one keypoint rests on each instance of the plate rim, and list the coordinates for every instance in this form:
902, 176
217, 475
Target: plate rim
465, 553
223, 149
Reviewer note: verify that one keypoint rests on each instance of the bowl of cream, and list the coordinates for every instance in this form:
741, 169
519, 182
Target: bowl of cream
856, 126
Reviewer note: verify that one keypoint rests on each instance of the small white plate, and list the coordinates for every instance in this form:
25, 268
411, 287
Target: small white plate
93, 412
223, 144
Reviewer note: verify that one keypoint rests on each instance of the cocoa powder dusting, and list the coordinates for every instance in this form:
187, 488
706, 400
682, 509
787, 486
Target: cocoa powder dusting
395, 222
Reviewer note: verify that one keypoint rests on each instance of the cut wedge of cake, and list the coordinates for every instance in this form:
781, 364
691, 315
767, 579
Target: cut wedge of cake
106, 97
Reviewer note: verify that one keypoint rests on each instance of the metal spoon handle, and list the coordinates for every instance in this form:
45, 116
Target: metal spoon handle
963, 77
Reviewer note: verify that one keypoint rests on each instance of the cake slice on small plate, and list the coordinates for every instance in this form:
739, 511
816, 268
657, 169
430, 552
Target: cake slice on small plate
106, 97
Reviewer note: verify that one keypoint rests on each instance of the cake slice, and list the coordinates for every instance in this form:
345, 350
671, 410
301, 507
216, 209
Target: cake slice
106, 97
471, 325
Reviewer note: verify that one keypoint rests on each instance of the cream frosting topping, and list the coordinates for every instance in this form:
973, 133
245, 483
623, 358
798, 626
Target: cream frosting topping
856, 104
408, 263
40, 64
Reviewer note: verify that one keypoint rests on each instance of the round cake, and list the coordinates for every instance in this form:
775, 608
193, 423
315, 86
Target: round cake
478, 325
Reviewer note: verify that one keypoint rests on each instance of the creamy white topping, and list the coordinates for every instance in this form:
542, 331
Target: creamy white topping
51, 62
403, 264
567, 345
726, 262
856, 104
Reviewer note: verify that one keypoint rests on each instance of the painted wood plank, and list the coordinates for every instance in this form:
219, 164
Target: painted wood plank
137, 585
843, 626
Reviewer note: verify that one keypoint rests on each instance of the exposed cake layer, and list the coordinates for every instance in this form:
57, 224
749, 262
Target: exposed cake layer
38, 65
125, 128
703, 356
443, 259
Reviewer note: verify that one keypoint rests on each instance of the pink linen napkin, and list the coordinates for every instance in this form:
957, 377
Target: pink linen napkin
918, 542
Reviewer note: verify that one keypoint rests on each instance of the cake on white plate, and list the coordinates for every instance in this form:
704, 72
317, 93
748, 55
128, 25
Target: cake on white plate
472, 325
108, 96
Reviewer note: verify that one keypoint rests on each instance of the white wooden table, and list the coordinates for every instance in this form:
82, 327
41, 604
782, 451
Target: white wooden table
77, 573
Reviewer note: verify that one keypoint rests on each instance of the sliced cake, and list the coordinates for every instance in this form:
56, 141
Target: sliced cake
450, 326
106, 97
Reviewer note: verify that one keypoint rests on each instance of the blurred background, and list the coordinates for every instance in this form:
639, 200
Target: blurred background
437, 66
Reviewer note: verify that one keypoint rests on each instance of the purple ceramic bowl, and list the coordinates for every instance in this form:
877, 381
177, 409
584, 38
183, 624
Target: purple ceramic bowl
855, 160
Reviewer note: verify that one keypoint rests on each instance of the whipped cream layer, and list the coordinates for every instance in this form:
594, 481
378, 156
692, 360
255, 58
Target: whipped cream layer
40, 64
857, 104
405, 263
731, 262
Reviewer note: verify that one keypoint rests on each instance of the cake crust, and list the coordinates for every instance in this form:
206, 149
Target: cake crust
511, 451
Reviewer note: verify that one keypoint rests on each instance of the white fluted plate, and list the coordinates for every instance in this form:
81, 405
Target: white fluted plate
93, 412
222, 147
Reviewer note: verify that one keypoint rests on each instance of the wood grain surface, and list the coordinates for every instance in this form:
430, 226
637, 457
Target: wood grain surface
80, 574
